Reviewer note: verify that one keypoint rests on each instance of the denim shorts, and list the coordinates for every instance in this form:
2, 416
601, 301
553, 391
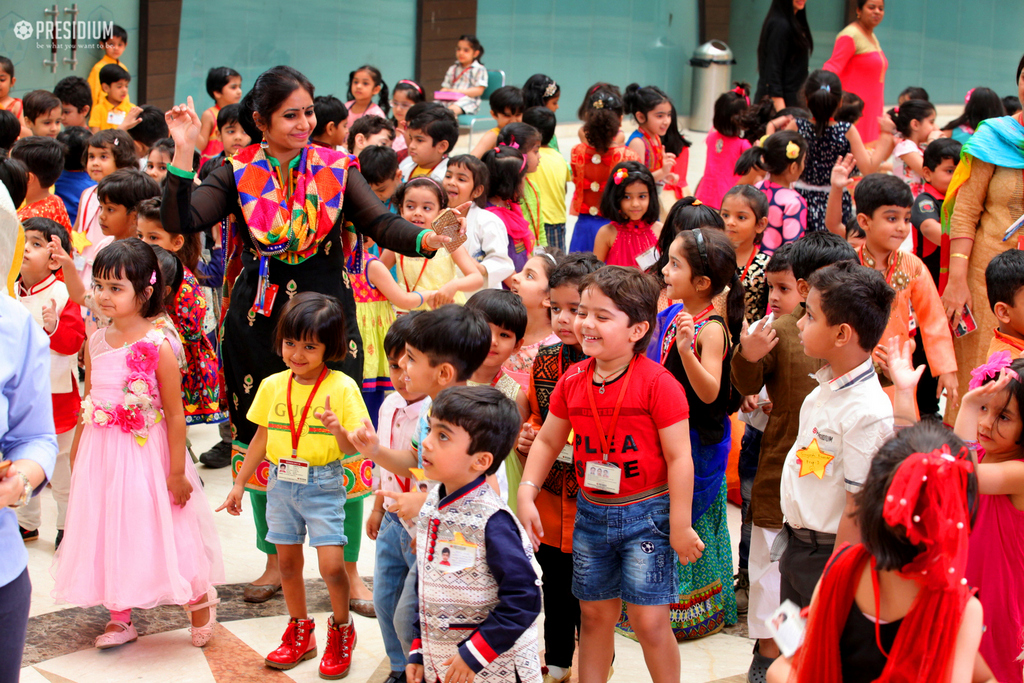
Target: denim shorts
318, 506
624, 552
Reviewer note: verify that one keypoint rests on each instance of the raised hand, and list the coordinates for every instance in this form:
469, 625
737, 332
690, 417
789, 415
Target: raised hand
899, 359
844, 166
183, 124
365, 439
330, 419
50, 317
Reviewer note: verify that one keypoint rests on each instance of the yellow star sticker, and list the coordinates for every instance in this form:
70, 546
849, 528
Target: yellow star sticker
79, 241
813, 460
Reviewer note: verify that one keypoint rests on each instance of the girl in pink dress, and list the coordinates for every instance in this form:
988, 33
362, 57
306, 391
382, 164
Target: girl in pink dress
630, 201
990, 421
140, 532
782, 156
363, 84
724, 146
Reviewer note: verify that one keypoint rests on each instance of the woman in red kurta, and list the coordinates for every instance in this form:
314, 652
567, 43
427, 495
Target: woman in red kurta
858, 60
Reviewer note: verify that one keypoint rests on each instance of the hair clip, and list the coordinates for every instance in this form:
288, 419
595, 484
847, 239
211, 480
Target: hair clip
697, 202
792, 150
540, 251
997, 363
116, 142
598, 104
551, 89
896, 110
413, 84
826, 87
967, 97
152, 278
760, 143
620, 175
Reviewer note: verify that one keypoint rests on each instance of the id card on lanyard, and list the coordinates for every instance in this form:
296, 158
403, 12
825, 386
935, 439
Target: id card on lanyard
295, 469
601, 474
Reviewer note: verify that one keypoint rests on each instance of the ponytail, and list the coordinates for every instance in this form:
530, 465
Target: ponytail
735, 308
824, 93
382, 99
908, 112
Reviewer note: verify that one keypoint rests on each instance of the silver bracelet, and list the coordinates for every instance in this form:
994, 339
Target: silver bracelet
528, 483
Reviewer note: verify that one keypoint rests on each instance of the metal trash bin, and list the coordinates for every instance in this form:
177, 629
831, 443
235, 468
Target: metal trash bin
712, 75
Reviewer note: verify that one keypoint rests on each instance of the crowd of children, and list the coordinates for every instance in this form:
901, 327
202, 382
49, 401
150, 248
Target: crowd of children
794, 295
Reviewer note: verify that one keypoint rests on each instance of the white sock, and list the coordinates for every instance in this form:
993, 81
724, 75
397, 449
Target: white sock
557, 672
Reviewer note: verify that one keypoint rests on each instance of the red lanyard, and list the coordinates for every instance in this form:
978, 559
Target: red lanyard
610, 436
743, 277
297, 432
418, 277
456, 81
700, 316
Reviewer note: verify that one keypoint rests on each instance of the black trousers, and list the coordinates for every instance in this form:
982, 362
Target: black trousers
15, 598
801, 565
561, 608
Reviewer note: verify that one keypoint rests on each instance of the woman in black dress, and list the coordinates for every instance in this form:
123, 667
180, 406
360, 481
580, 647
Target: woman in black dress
783, 52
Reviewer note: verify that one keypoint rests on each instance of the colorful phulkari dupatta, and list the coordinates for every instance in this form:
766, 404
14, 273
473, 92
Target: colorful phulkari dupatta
998, 141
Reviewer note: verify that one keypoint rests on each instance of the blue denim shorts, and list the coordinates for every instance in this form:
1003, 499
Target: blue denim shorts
318, 506
624, 552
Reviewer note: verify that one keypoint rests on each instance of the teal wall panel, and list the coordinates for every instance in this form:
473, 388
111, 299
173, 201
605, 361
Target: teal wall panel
619, 41
324, 39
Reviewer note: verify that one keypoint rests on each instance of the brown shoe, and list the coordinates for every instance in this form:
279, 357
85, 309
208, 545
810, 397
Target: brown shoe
363, 608
254, 593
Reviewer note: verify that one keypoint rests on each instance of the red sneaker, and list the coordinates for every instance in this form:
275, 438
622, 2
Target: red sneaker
337, 658
297, 645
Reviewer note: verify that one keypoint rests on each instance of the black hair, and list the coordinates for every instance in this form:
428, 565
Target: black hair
127, 187
721, 270
774, 154
13, 176
312, 316
115, 31
982, 104
436, 121
228, 114
857, 296
118, 143
780, 261
909, 111
268, 93
1004, 276
49, 228
506, 167
851, 108
425, 182
474, 42
796, 112
914, 92
1020, 68
478, 169
542, 119
151, 127
538, 90
378, 164
572, 268
633, 292
7, 66
394, 340
74, 90
173, 271
639, 100
520, 134
192, 246
749, 160
686, 214
729, 109
1011, 103
378, 79
39, 103
754, 121
164, 146
42, 156
782, 10
452, 334
602, 119
1016, 390
502, 308
756, 200
75, 140
615, 191
673, 140
854, 230
328, 109
10, 129
414, 90
490, 418
816, 250
367, 126
939, 150
133, 260
550, 257
112, 73
596, 91
881, 189
446, 550
888, 544
823, 93
218, 77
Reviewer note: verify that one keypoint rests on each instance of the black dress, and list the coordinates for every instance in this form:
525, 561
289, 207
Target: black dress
247, 348
784, 69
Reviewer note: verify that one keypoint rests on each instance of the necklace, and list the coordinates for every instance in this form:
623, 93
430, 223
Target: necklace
605, 378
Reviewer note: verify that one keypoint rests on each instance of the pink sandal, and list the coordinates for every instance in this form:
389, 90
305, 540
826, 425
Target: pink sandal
127, 634
201, 635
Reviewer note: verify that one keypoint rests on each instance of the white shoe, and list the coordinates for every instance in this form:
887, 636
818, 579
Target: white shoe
127, 634
201, 635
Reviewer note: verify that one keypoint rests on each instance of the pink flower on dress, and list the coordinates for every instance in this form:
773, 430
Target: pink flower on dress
102, 418
129, 419
143, 356
140, 384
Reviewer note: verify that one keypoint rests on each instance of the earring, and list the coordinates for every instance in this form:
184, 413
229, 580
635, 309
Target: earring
263, 143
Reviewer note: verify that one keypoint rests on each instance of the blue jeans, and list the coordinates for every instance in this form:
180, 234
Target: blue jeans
392, 564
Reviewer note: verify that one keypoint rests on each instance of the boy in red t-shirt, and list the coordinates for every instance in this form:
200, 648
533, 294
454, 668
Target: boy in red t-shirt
635, 476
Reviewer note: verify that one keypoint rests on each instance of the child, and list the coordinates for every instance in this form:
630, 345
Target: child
1004, 277
159, 158
652, 110
980, 104
745, 213
419, 202
990, 422
883, 210
467, 77
363, 84
725, 145
630, 200
913, 92
466, 180
432, 133
506, 107
688, 213
187, 248
540, 90
531, 284
471, 430
331, 122
1011, 103
150, 127
695, 346
406, 94
44, 159
232, 136
75, 99
527, 139
129, 445
310, 333
771, 357
369, 131
748, 168
10, 129
556, 502
855, 234
851, 108
7, 81
617, 311
113, 47
110, 110
43, 112
907, 623
782, 156
224, 85
73, 180
551, 177
915, 121
379, 166
42, 292
506, 168
592, 162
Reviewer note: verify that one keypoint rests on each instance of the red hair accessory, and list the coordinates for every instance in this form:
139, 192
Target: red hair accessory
967, 97
413, 84
620, 175
997, 362
741, 91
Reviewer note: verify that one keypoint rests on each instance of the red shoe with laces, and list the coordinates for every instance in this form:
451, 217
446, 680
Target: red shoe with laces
297, 645
337, 658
